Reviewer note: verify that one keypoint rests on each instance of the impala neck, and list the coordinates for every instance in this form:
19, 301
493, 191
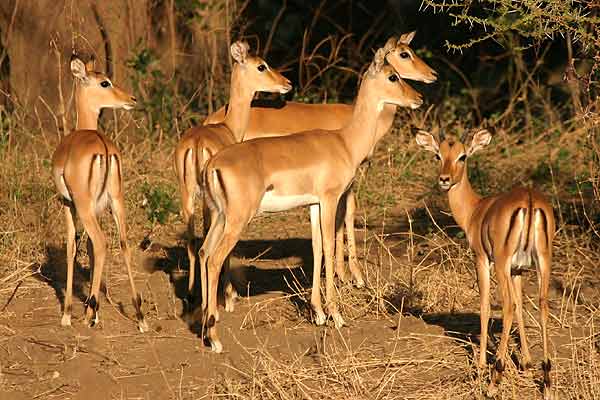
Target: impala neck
87, 115
240, 99
361, 134
463, 201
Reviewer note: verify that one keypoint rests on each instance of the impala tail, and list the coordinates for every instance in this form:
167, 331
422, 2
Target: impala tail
522, 221
100, 170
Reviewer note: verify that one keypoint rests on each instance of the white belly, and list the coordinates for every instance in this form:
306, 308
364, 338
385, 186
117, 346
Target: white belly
274, 203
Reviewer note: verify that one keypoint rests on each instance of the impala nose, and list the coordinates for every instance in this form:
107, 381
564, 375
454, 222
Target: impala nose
444, 182
133, 99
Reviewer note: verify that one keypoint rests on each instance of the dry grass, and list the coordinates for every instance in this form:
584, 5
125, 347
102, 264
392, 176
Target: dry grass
413, 332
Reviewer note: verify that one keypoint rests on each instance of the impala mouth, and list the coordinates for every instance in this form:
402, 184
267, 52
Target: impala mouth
445, 186
416, 104
285, 89
129, 106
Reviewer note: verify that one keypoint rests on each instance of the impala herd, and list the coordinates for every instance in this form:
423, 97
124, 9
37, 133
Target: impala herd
245, 161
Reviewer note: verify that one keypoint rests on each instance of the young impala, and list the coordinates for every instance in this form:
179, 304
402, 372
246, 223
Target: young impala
298, 117
199, 143
508, 230
86, 168
312, 168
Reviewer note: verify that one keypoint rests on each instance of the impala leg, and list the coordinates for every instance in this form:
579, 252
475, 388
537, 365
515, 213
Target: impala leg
230, 293
349, 222
317, 248
483, 280
230, 237
340, 270
69, 211
544, 262
504, 282
517, 285
117, 206
86, 211
210, 241
187, 204
328, 218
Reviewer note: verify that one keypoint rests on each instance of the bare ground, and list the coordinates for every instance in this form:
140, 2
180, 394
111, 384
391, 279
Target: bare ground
411, 334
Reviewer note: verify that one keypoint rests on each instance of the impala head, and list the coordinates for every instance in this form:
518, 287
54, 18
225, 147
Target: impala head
406, 62
97, 90
254, 72
453, 153
386, 85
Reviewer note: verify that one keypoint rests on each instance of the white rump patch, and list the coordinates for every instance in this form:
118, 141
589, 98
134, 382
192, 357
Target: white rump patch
274, 203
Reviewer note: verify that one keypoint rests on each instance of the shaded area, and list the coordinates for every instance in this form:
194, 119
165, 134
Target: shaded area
249, 280
54, 273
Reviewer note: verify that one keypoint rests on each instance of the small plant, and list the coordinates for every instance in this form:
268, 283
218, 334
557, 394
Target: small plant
159, 203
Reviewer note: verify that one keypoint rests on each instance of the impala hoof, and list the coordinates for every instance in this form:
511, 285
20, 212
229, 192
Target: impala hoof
359, 282
143, 326
216, 346
66, 320
320, 317
338, 320
230, 301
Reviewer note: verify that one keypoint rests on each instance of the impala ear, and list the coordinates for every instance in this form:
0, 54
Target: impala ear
406, 38
78, 68
480, 139
378, 61
390, 44
427, 141
239, 51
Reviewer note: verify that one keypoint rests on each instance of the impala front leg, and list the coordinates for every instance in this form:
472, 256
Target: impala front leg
317, 247
328, 216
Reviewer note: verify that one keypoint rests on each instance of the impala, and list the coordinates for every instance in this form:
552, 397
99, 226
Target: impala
199, 143
298, 117
508, 230
314, 168
86, 168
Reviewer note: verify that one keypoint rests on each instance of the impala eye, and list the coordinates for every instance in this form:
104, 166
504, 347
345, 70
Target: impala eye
404, 54
437, 157
262, 68
462, 158
105, 84
393, 78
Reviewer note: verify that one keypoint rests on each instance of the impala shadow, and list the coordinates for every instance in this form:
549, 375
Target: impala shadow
53, 272
248, 278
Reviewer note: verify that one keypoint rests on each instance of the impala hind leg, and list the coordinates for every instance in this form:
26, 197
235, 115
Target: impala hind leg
504, 283
187, 205
317, 248
340, 269
544, 264
231, 235
87, 215
483, 280
349, 222
69, 211
117, 205
518, 296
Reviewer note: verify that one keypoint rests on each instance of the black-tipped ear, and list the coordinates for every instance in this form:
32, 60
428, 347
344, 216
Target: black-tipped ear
78, 68
239, 51
407, 38
390, 44
378, 61
481, 139
427, 141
